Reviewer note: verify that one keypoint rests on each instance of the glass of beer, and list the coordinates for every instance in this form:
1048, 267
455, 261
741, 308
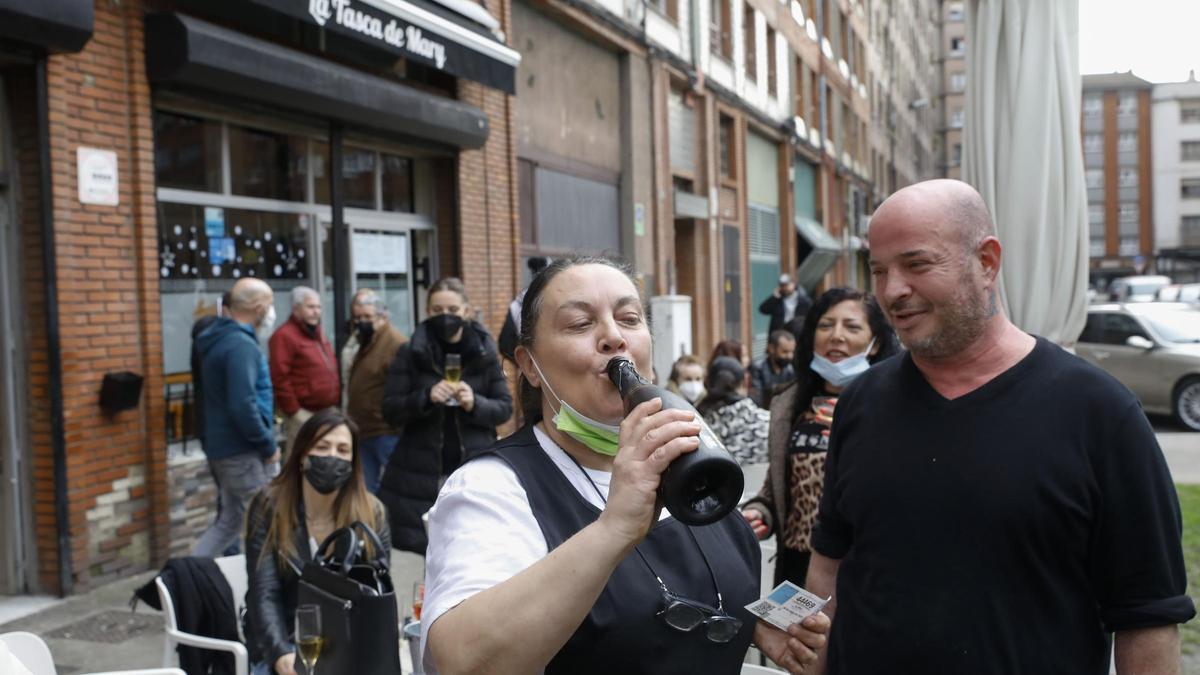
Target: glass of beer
308, 636
453, 366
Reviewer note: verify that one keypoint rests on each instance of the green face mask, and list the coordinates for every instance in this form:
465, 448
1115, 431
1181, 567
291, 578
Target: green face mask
597, 436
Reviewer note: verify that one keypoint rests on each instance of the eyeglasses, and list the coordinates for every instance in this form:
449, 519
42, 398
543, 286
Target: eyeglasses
678, 612
687, 615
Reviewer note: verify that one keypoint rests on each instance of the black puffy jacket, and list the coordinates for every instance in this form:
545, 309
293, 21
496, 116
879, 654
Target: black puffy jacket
271, 597
412, 478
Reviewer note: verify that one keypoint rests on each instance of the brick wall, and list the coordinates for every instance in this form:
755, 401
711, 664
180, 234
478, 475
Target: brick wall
108, 312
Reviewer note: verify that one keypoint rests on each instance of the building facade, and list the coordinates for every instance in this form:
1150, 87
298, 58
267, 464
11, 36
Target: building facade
953, 88
1116, 155
1175, 118
162, 150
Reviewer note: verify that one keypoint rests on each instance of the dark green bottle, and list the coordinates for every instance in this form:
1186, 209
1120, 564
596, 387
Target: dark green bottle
701, 486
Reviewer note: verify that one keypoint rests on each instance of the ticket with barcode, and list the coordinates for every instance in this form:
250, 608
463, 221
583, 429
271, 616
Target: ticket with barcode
787, 604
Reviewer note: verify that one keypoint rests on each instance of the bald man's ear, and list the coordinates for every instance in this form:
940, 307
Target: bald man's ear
989, 257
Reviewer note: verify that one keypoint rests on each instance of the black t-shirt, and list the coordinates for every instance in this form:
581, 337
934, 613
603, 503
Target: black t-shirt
1005, 531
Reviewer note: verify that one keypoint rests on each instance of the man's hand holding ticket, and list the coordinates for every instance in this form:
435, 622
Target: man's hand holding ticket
786, 605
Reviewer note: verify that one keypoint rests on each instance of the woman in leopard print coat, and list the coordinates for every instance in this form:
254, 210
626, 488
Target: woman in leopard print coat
843, 323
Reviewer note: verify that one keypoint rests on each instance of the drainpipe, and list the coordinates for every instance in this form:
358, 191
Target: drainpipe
58, 438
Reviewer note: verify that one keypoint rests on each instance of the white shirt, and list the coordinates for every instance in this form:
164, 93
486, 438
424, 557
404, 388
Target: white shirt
482, 531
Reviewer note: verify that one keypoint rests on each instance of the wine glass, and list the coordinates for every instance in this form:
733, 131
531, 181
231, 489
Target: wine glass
308, 636
453, 367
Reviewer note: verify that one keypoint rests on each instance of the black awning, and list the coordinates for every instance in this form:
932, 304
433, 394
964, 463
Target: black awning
423, 32
55, 25
187, 51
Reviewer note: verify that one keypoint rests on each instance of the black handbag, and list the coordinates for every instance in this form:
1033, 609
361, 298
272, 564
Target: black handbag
359, 619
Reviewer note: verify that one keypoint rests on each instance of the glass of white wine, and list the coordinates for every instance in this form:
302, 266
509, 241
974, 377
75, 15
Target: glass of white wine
453, 366
308, 636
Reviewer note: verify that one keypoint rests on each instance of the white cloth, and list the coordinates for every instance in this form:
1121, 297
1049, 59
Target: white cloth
482, 531
1022, 151
789, 305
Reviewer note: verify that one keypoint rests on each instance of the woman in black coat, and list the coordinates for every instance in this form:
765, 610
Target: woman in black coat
444, 423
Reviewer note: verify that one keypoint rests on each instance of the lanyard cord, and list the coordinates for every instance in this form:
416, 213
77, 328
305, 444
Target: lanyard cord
707, 564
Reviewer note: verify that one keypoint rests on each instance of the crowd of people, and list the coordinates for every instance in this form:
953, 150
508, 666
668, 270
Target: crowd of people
931, 468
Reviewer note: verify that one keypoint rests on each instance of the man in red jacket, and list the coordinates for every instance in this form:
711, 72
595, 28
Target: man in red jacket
304, 371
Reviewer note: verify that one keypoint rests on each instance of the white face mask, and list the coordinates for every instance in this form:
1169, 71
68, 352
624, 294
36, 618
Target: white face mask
692, 390
845, 371
263, 329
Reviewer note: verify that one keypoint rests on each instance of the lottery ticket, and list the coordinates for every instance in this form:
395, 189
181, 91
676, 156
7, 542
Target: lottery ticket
787, 604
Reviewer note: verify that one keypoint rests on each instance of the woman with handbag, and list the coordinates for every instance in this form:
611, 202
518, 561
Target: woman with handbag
549, 553
319, 491
446, 390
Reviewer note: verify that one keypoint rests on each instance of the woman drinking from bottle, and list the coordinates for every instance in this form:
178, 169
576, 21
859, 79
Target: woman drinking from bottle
844, 333
550, 554
319, 490
446, 390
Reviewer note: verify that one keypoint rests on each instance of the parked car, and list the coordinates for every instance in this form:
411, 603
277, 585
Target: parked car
1189, 293
1136, 289
1154, 349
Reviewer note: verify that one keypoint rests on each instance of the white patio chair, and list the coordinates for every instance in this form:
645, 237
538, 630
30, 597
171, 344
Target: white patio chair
34, 654
234, 569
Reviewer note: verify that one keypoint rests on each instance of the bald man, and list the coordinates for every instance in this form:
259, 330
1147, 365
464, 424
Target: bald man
992, 503
238, 409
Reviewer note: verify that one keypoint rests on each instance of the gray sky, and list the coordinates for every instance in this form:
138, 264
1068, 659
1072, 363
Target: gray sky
1158, 39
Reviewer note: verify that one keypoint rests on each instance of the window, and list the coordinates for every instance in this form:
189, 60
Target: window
1127, 104
725, 141
396, 179
267, 164
751, 49
1127, 212
1093, 105
1189, 110
1118, 328
957, 46
956, 118
1095, 179
957, 154
1093, 143
187, 152
772, 79
668, 7
1127, 178
1190, 188
1189, 231
1127, 141
958, 82
720, 20
1189, 151
358, 178
955, 13
1095, 214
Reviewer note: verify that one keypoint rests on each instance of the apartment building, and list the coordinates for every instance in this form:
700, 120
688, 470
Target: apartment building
1175, 119
1116, 151
953, 88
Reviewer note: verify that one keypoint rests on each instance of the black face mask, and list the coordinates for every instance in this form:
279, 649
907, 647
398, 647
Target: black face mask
327, 474
444, 326
366, 329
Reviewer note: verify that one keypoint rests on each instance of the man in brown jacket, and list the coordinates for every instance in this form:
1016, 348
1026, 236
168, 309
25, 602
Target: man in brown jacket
378, 341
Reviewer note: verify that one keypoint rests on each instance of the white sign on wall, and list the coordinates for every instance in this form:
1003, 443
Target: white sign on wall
379, 253
98, 177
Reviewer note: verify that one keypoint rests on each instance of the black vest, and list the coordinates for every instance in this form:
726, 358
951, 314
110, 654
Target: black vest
621, 633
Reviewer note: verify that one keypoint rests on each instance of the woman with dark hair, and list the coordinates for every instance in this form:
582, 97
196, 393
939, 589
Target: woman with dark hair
320, 490
446, 391
845, 332
550, 554
734, 417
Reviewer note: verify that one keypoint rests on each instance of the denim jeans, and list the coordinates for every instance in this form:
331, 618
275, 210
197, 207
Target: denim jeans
375, 454
238, 479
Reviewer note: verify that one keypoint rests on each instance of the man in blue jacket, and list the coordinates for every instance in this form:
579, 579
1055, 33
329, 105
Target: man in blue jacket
238, 409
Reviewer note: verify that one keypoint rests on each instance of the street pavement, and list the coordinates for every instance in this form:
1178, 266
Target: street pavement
96, 632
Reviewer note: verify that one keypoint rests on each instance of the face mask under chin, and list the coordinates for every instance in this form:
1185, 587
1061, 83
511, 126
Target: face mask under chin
600, 437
